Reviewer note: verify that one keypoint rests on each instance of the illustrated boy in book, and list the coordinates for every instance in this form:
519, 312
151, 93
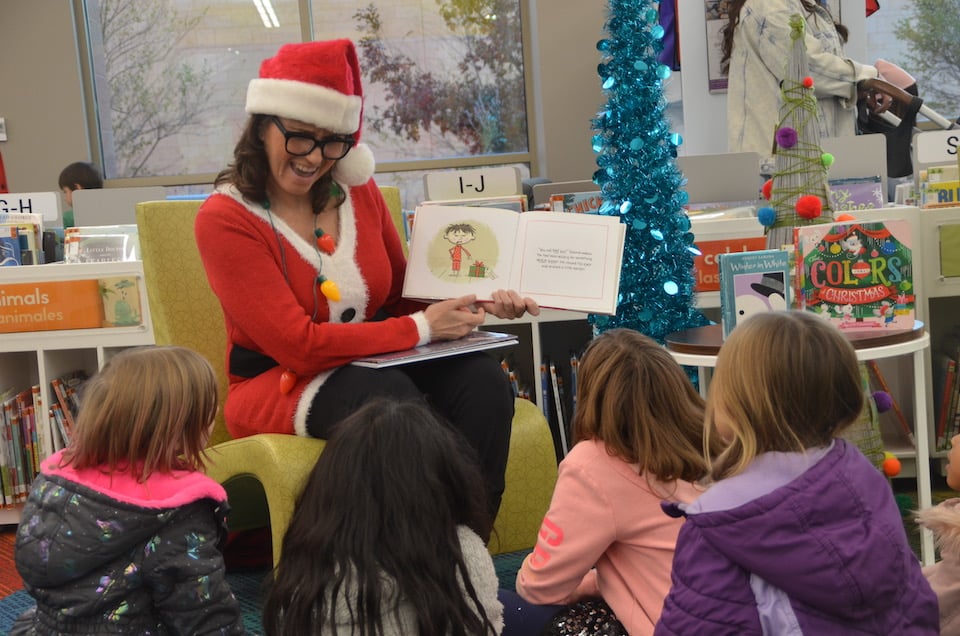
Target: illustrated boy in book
459, 234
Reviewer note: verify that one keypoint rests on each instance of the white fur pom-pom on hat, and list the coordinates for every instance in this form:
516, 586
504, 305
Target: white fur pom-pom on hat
356, 168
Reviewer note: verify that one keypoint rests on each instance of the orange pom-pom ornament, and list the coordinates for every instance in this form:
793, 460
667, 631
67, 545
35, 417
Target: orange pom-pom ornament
767, 189
845, 218
891, 465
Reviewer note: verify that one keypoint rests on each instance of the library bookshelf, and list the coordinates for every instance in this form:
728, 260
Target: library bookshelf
35, 357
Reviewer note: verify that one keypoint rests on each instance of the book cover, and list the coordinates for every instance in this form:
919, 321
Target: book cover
563, 261
577, 202
856, 193
101, 244
858, 275
121, 301
9, 246
751, 283
477, 340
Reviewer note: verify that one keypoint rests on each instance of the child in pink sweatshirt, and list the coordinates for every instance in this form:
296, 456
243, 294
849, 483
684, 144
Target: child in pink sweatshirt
638, 433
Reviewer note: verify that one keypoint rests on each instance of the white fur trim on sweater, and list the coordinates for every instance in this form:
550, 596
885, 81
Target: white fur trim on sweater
309, 103
423, 327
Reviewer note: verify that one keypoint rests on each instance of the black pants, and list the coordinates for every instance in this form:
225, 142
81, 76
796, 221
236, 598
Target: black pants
470, 391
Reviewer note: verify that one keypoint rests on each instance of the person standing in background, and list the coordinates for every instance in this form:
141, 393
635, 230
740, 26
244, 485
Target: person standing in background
80, 175
755, 48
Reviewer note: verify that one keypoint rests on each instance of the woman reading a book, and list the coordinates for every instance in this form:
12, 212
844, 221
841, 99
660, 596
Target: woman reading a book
300, 248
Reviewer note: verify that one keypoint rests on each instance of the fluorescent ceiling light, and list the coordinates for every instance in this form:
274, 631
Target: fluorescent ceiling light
267, 15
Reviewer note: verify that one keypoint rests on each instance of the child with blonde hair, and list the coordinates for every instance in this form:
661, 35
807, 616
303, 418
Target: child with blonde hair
605, 547
121, 531
799, 533
944, 521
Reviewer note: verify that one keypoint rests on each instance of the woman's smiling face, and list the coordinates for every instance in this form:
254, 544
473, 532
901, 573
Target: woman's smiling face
291, 174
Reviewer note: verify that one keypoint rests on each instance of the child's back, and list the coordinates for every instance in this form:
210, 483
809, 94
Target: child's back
799, 532
638, 427
107, 545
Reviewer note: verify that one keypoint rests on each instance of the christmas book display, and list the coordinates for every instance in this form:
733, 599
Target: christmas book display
563, 261
751, 283
858, 275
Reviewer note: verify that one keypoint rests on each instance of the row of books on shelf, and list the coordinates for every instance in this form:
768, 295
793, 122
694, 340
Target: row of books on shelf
28, 427
938, 187
24, 241
557, 399
946, 407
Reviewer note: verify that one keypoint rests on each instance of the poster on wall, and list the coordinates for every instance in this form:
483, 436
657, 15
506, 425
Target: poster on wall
716, 18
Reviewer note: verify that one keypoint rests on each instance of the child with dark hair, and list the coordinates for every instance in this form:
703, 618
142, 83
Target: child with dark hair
799, 533
605, 547
388, 536
79, 175
121, 531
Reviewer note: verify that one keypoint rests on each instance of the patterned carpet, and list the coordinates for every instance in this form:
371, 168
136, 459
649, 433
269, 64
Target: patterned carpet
247, 585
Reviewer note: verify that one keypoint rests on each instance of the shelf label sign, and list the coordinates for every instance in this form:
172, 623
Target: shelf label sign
937, 146
471, 184
46, 204
705, 267
70, 304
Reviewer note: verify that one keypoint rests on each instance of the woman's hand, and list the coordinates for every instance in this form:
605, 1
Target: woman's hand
454, 318
509, 304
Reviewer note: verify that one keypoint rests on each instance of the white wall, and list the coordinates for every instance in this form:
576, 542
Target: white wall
40, 93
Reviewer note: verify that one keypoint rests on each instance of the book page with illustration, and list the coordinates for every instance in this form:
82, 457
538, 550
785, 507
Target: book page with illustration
563, 261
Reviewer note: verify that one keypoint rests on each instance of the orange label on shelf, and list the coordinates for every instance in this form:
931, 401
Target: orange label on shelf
705, 268
51, 305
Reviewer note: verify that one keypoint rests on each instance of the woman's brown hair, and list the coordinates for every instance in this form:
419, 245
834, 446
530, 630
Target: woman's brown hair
633, 396
150, 409
250, 169
733, 19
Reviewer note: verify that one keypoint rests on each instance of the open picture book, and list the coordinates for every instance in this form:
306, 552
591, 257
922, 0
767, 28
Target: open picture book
562, 261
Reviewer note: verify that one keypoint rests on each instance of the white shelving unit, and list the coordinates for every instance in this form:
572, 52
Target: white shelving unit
36, 357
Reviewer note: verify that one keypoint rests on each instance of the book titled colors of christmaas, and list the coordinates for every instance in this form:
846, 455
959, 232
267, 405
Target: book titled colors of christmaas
858, 275
563, 261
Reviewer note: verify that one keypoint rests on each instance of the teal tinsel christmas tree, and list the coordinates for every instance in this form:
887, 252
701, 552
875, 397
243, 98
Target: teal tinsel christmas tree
638, 176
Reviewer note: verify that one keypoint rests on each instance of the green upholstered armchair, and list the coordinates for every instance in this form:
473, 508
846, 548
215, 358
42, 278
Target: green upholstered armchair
263, 474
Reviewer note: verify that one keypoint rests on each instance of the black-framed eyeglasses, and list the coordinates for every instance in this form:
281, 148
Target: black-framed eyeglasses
301, 144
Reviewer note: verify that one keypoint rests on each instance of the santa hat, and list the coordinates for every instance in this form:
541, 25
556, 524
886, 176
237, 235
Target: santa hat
317, 83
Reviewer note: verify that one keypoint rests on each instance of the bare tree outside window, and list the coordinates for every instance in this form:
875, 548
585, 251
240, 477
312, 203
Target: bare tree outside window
469, 97
146, 93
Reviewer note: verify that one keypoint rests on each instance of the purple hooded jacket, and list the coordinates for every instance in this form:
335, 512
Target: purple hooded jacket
797, 544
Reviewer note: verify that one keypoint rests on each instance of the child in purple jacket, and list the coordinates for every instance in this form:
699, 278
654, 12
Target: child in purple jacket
800, 533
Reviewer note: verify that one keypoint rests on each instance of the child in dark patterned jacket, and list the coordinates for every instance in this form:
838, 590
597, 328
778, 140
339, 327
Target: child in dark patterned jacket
799, 533
121, 531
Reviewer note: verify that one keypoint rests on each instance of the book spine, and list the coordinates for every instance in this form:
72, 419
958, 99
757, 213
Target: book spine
42, 423
558, 406
545, 391
60, 390
6, 478
950, 380
56, 417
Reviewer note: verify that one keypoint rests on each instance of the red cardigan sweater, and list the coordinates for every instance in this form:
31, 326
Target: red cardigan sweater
266, 280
